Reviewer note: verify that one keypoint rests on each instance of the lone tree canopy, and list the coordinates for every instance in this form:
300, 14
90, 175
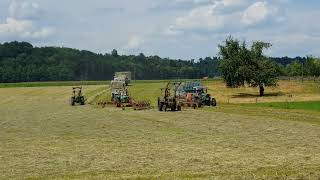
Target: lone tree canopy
240, 65
114, 53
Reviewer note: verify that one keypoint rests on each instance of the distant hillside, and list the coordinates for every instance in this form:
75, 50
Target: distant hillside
21, 62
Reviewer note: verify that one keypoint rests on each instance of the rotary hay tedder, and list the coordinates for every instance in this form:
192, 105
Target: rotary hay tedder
121, 98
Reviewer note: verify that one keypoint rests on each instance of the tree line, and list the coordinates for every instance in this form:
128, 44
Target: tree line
21, 62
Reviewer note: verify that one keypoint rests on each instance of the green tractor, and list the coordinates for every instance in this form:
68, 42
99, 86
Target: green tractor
77, 97
121, 98
167, 101
119, 94
205, 98
198, 92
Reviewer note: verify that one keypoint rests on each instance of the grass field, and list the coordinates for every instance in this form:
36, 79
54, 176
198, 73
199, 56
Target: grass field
310, 105
42, 137
48, 84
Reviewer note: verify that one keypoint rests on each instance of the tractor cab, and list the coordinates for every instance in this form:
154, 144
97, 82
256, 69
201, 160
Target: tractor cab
202, 93
194, 91
119, 94
77, 97
200, 89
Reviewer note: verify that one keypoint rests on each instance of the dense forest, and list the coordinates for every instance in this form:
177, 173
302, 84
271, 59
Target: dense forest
21, 62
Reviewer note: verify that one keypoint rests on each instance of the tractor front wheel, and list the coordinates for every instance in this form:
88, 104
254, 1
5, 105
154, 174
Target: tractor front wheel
164, 107
82, 101
160, 105
194, 106
199, 105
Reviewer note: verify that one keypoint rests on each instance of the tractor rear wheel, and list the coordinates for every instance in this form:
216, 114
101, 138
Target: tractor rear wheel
174, 107
213, 102
72, 101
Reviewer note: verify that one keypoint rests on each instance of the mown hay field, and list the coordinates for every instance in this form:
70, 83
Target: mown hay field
286, 91
43, 137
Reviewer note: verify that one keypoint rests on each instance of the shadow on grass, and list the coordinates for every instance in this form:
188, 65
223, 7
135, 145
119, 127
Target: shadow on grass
248, 95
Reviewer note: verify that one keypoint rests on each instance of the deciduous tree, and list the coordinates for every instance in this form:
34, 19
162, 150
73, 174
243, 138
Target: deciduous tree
240, 65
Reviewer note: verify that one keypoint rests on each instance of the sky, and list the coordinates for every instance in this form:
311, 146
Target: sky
180, 29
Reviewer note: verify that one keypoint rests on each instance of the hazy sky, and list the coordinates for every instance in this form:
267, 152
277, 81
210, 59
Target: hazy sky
169, 28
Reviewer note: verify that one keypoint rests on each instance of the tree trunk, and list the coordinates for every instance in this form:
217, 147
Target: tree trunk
261, 87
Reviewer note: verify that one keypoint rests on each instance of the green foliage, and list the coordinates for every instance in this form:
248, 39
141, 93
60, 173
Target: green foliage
294, 69
240, 65
232, 57
114, 53
261, 70
311, 67
308, 67
21, 62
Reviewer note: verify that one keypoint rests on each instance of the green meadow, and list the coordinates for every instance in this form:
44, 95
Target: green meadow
244, 137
